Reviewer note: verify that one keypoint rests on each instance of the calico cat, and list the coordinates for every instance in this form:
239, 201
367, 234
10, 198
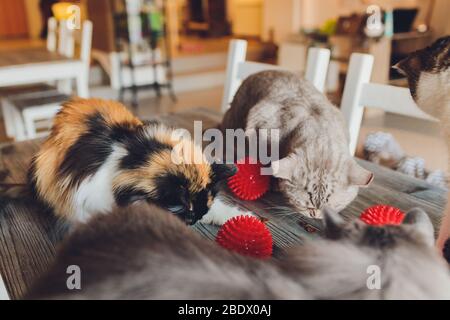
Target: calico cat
158, 257
315, 167
428, 74
99, 156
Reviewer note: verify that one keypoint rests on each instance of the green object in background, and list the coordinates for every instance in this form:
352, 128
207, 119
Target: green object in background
156, 21
389, 24
329, 27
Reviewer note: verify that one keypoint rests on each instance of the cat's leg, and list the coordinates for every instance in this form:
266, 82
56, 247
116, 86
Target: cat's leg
220, 212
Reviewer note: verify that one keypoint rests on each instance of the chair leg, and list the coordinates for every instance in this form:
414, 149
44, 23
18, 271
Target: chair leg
8, 118
172, 94
121, 94
134, 101
83, 84
65, 86
30, 127
19, 126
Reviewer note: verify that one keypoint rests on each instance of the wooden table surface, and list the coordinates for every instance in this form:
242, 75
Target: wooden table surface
12, 58
37, 65
29, 237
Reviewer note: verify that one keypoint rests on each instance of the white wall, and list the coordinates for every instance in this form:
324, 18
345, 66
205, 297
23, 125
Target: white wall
246, 17
281, 16
440, 22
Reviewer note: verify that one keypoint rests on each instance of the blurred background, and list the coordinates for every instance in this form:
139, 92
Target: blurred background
168, 56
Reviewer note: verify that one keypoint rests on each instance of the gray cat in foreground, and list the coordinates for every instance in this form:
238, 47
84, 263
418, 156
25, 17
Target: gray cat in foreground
315, 167
142, 252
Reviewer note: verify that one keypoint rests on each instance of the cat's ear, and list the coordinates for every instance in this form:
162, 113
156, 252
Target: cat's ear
421, 222
409, 65
284, 168
400, 67
333, 224
222, 171
358, 176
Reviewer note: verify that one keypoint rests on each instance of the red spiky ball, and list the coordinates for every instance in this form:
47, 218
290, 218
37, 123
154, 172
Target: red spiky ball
381, 215
248, 183
246, 235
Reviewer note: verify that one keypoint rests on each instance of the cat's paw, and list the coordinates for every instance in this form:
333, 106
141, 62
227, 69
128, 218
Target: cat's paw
220, 212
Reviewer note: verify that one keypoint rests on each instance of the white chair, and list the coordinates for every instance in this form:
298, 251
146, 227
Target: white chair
52, 34
60, 40
238, 69
23, 113
359, 93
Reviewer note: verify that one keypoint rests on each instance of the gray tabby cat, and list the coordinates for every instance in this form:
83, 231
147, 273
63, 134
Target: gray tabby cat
315, 167
145, 253
428, 74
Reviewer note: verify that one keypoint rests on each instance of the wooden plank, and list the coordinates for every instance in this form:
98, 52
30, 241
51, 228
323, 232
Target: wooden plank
27, 244
29, 56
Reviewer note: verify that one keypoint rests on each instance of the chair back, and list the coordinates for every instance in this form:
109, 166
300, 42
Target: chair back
359, 93
238, 69
69, 39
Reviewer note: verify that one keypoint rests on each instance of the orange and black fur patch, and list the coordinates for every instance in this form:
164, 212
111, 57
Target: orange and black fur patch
99, 156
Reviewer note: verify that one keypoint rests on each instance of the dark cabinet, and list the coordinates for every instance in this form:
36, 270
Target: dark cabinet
207, 18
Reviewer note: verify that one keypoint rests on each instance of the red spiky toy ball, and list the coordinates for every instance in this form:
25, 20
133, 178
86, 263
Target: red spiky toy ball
246, 235
248, 183
381, 215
